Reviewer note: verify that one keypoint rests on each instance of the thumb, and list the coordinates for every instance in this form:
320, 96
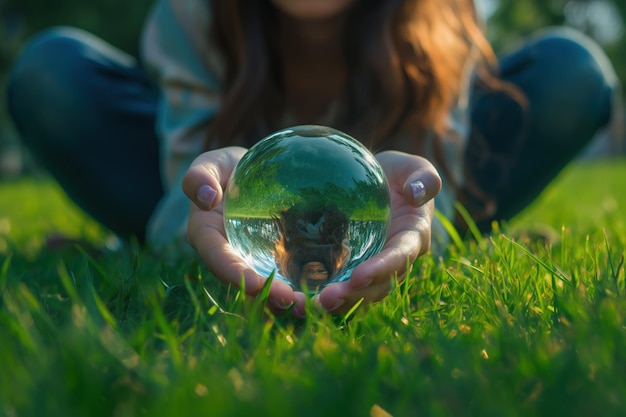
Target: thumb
421, 186
205, 180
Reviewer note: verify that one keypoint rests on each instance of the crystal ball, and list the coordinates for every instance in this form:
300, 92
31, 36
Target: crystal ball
308, 204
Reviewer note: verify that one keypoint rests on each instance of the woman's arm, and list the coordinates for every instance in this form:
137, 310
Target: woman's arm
177, 53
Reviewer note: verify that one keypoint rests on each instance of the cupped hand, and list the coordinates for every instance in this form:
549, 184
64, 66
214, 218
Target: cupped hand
204, 184
413, 182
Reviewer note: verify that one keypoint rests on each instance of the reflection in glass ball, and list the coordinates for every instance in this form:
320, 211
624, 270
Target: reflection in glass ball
308, 203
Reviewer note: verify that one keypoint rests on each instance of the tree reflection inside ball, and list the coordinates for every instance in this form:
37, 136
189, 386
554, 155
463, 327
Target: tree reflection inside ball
307, 203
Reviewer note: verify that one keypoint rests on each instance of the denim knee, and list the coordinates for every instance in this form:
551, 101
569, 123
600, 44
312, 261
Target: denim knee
579, 82
48, 91
577, 49
42, 90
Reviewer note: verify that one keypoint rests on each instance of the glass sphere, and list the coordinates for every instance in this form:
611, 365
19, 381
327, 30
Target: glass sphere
307, 203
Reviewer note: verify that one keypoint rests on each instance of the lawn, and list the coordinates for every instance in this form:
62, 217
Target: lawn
528, 321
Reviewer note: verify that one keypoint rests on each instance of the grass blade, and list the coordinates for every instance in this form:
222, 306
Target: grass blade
451, 230
553, 269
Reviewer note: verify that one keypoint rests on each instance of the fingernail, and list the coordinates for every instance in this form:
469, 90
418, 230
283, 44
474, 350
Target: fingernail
280, 304
419, 192
338, 304
298, 311
364, 284
206, 195
316, 301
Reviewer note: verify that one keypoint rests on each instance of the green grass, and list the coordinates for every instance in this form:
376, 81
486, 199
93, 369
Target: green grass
529, 321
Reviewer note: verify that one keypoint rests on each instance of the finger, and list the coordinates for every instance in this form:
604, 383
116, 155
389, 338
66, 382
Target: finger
281, 296
207, 236
420, 181
421, 186
299, 307
208, 175
339, 298
394, 260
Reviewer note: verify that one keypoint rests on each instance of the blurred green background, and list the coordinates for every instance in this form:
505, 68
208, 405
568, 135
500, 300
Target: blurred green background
117, 21
120, 23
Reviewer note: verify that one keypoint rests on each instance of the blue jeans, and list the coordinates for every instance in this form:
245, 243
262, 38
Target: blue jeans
517, 147
87, 112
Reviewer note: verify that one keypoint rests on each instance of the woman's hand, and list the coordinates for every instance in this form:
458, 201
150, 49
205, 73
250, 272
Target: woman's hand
413, 182
204, 184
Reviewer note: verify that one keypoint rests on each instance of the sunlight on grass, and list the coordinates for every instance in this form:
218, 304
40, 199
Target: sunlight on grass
584, 196
34, 209
528, 321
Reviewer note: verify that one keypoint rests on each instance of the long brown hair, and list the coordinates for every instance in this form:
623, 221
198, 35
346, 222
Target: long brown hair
405, 63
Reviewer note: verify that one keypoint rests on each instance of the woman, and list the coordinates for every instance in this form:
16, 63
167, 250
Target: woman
407, 78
